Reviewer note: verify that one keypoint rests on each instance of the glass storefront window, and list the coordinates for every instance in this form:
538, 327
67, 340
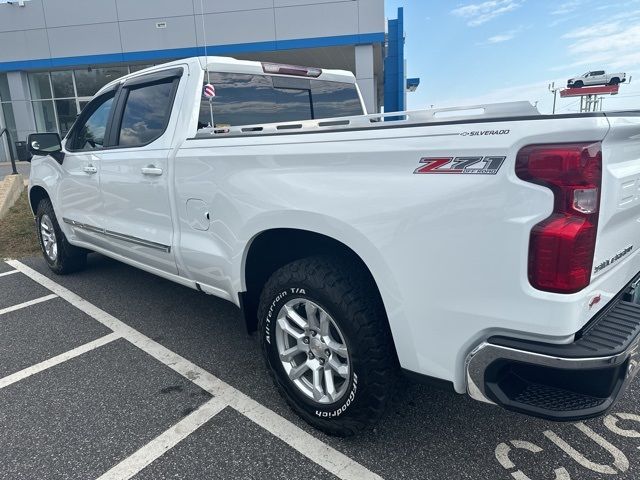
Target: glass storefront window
9, 118
89, 82
67, 113
62, 84
45, 116
4, 88
39, 85
58, 97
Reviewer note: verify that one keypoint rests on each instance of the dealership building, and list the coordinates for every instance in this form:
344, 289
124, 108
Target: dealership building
56, 54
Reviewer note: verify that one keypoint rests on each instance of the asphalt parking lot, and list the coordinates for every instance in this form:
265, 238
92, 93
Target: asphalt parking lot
114, 373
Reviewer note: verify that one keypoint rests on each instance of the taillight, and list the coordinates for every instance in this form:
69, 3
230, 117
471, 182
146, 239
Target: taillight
561, 247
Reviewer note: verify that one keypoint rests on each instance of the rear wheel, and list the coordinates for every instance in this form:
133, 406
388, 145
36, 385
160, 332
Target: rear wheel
327, 343
60, 255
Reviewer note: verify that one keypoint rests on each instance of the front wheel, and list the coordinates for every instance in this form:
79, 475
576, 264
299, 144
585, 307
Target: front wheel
578, 84
60, 255
327, 343
614, 81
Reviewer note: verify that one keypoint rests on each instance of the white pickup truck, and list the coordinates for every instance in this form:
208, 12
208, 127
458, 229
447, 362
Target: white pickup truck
494, 251
597, 77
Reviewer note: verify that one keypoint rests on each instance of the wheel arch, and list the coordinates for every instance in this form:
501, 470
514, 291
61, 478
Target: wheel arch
273, 248
36, 195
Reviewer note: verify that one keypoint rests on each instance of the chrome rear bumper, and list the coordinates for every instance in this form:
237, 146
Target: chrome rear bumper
561, 382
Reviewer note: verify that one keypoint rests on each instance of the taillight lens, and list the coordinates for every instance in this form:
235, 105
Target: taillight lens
561, 247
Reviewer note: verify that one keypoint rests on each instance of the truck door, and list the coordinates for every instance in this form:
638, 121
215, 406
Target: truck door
79, 196
135, 171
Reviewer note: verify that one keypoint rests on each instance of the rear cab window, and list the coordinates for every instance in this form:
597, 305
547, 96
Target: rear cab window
248, 99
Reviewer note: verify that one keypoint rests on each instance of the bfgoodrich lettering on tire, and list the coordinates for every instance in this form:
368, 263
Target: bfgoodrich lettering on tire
327, 343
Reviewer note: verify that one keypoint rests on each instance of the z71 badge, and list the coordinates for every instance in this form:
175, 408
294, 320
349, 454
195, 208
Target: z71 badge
468, 165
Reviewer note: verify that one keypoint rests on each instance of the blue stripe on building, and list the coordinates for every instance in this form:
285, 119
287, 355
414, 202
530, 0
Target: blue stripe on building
153, 55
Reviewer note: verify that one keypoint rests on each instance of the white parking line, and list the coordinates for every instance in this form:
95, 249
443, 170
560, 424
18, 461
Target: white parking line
63, 357
165, 441
27, 304
10, 272
314, 449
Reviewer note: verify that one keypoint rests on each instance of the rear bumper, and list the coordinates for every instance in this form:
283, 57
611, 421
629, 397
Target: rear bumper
562, 382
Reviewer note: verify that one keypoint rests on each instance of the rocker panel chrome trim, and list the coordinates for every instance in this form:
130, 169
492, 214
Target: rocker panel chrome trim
119, 236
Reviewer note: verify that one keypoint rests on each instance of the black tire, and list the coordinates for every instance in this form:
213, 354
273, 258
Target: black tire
347, 294
614, 81
68, 259
578, 84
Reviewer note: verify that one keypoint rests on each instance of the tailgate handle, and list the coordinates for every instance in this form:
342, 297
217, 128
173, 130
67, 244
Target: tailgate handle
151, 170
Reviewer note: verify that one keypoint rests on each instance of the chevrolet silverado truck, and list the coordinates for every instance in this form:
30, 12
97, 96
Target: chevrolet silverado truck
494, 250
597, 77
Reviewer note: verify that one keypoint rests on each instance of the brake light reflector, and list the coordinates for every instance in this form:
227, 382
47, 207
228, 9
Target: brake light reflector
278, 68
562, 246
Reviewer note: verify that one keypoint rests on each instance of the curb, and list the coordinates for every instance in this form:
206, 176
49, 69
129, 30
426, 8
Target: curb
10, 189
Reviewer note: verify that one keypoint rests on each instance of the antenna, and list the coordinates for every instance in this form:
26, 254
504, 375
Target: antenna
206, 67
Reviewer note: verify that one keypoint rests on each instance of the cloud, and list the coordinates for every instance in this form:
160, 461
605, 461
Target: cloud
479, 13
505, 37
592, 31
532, 92
609, 6
611, 44
502, 37
538, 93
566, 7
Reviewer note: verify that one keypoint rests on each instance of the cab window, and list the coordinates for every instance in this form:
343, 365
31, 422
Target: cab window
244, 99
335, 99
146, 113
89, 133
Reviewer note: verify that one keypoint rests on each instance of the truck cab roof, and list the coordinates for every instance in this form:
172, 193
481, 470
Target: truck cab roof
233, 65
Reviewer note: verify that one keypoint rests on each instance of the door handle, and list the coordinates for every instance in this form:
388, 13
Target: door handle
90, 169
151, 170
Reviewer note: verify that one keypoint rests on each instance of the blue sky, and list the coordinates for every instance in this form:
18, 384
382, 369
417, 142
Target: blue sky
483, 51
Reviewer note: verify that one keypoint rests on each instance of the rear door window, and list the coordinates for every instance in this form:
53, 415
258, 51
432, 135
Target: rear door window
146, 113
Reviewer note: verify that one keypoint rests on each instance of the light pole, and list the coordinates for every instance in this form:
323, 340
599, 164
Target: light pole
553, 89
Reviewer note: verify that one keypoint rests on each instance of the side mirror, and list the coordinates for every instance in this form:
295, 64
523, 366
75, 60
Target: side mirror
46, 144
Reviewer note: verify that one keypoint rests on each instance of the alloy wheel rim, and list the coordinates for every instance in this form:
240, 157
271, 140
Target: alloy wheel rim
48, 235
313, 351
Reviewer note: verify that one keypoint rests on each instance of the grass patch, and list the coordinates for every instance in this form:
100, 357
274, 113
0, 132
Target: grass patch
17, 231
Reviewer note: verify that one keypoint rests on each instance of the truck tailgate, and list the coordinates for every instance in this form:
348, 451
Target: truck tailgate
616, 260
